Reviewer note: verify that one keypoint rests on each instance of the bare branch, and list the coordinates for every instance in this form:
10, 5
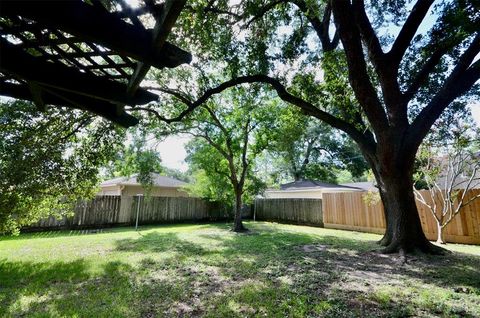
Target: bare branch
388, 74
420, 198
321, 27
176, 93
368, 34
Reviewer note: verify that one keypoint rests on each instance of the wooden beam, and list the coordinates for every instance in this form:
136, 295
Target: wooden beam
37, 96
99, 26
163, 27
59, 76
61, 98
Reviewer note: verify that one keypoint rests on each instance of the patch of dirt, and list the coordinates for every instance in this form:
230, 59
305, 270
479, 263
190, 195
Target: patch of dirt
313, 248
358, 272
181, 309
204, 282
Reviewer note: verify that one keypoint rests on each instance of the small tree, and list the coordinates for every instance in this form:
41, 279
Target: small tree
448, 180
229, 132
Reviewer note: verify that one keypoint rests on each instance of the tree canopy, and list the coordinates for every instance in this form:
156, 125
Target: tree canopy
381, 72
49, 160
309, 149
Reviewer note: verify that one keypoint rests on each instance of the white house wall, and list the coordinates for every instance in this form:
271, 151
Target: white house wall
303, 194
156, 191
311, 194
112, 190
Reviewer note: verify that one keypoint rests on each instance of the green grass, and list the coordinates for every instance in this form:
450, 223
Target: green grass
206, 270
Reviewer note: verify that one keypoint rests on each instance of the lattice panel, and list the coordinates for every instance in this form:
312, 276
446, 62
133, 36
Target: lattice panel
60, 47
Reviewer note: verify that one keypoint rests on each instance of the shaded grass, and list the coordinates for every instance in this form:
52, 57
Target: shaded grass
206, 270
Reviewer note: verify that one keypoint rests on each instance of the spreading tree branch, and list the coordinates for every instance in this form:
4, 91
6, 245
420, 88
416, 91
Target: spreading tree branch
358, 75
461, 79
400, 46
388, 74
424, 72
365, 140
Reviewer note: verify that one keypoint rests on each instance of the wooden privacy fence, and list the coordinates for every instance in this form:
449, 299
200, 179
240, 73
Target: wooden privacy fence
122, 210
349, 211
299, 211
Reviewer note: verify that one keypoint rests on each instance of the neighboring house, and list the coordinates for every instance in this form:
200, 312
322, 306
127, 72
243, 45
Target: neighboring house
162, 187
306, 189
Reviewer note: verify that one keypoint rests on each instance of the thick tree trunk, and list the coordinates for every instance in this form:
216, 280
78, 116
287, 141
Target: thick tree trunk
404, 230
237, 221
387, 237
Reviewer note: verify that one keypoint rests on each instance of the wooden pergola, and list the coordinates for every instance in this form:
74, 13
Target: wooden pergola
90, 54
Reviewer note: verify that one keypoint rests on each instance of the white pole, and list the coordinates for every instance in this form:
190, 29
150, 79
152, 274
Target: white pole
139, 196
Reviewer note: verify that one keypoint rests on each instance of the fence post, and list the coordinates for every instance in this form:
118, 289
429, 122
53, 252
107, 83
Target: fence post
139, 196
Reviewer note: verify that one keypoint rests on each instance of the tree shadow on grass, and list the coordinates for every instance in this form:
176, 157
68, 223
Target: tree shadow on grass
218, 273
155, 242
54, 233
64, 289
285, 249
313, 265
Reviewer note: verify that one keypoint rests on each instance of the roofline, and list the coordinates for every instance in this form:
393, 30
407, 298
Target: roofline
311, 188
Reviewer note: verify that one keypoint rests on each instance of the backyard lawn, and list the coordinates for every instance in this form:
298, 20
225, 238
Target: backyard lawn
206, 270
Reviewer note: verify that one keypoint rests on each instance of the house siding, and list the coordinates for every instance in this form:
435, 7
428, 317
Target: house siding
312, 194
303, 194
112, 190
156, 191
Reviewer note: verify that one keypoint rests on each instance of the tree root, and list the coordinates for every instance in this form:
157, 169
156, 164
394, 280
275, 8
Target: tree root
390, 249
425, 247
242, 229
385, 241
432, 249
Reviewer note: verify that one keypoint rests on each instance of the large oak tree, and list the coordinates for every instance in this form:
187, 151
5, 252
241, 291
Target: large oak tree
371, 70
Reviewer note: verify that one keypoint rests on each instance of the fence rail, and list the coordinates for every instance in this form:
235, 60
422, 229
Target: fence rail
299, 211
122, 210
349, 211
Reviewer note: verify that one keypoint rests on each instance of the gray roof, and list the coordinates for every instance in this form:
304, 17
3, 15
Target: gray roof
367, 185
158, 181
461, 182
305, 184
